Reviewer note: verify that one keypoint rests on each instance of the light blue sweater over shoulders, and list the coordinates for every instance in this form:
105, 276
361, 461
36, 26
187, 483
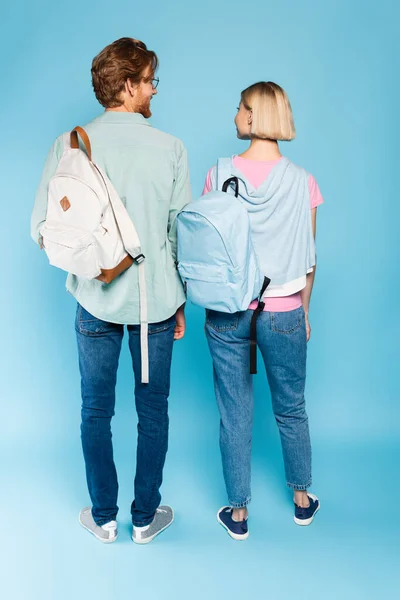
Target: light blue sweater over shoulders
280, 219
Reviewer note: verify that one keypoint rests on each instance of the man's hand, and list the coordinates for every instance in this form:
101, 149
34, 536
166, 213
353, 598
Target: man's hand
308, 328
180, 326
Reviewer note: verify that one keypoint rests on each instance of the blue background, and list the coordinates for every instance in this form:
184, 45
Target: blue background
339, 64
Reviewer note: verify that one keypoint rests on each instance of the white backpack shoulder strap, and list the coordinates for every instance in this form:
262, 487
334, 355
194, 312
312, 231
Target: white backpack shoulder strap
224, 171
131, 241
74, 140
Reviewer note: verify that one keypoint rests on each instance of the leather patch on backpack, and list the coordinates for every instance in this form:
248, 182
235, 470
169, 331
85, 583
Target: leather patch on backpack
65, 203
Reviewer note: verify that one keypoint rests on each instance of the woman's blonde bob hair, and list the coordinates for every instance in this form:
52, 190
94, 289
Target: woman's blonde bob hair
272, 117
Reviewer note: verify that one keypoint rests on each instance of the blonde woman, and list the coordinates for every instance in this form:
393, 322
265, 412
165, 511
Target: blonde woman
281, 199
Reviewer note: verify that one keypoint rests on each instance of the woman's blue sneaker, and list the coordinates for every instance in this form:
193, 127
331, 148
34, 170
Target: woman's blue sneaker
305, 516
238, 530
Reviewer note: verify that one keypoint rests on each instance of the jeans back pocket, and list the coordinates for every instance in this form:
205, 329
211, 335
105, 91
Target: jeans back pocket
287, 322
88, 324
222, 321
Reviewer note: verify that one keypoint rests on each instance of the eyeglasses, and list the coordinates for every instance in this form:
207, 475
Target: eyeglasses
154, 82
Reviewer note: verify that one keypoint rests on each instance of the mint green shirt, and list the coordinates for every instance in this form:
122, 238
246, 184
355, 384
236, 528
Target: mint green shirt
149, 170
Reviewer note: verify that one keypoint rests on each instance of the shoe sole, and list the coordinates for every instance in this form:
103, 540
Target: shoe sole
151, 538
304, 522
102, 540
235, 536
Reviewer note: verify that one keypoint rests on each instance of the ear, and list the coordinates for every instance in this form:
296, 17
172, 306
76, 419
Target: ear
130, 88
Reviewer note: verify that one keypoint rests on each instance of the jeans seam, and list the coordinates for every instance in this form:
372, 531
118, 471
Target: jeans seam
153, 331
300, 488
97, 333
161, 329
240, 504
151, 493
222, 329
154, 483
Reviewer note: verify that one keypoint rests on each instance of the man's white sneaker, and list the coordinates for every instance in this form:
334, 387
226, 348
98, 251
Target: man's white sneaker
106, 533
162, 519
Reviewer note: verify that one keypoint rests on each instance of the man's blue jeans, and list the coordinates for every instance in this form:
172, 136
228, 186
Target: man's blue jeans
99, 347
282, 340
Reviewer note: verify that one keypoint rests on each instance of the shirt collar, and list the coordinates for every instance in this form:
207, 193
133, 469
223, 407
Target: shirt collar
113, 116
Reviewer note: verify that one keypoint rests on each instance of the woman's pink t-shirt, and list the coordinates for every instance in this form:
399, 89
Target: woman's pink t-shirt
256, 172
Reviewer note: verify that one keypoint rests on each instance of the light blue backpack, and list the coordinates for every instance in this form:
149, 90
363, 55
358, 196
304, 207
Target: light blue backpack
216, 257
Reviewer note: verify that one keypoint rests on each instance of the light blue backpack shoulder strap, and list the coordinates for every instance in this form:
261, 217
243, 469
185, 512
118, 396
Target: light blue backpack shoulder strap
224, 171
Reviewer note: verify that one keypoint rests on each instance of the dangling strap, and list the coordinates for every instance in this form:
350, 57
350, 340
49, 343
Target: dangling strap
253, 327
144, 324
131, 241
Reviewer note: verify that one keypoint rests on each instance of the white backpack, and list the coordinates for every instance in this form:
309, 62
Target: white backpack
88, 231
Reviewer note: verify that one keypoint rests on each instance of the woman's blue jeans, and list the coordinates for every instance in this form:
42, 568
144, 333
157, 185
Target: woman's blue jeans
282, 341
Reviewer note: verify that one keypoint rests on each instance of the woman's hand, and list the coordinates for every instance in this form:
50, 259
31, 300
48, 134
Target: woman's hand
180, 326
308, 327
